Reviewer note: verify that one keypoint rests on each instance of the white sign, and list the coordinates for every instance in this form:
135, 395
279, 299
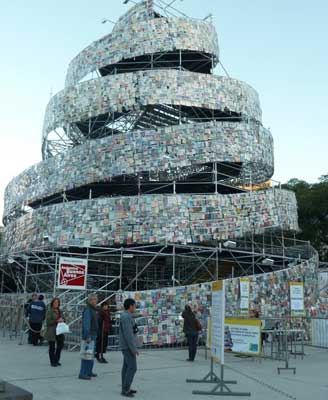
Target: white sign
243, 336
72, 273
296, 298
217, 321
244, 296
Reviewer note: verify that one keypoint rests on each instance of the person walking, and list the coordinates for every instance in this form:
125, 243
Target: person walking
191, 327
104, 325
89, 335
56, 342
37, 314
128, 345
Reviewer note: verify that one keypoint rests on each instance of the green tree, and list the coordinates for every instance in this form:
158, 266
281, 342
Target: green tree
312, 202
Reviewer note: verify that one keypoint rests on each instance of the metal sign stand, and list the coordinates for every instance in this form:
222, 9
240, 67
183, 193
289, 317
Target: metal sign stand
211, 377
221, 388
286, 367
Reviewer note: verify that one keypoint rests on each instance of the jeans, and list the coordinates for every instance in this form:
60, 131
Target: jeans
192, 344
55, 351
87, 366
128, 370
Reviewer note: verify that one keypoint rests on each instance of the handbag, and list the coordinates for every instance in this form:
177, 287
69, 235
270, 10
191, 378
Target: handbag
43, 331
62, 328
87, 351
198, 325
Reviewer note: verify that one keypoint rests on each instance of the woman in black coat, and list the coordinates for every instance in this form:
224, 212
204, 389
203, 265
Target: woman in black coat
191, 328
104, 326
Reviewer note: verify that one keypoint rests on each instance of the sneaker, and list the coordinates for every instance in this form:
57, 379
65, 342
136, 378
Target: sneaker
133, 391
93, 375
86, 378
127, 394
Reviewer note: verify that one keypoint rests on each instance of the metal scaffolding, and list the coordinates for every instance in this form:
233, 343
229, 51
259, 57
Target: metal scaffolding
112, 269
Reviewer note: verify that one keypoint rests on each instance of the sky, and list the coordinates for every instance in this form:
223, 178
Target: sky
280, 47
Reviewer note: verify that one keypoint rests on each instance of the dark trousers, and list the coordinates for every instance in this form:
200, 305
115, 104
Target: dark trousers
128, 370
101, 344
192, 344
29, 337
35, 332
55, 349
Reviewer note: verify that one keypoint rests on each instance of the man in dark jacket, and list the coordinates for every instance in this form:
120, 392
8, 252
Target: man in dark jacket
128, 345
89, 335
37, 314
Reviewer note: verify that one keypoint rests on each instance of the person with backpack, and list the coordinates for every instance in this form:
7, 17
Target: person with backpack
37, 314
191, 328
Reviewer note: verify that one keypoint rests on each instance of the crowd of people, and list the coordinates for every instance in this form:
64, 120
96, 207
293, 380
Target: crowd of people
96, 326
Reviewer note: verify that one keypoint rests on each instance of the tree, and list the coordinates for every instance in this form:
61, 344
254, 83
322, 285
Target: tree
323, 178
312, 202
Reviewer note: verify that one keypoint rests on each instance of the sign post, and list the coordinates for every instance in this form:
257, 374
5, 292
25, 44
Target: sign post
72, 273
296, 297
217, 339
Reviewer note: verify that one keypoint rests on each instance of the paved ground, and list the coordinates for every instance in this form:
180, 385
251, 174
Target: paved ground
161, 376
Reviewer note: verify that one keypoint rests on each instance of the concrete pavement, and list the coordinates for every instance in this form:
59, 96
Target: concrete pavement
161, 376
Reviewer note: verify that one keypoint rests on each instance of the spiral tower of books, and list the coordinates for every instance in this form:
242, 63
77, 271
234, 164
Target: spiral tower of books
146, 145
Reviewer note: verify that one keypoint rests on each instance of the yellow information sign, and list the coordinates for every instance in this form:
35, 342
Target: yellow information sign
243, 336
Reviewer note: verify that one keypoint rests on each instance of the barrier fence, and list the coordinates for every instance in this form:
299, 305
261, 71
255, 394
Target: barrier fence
299, 331
11, 320
319, 332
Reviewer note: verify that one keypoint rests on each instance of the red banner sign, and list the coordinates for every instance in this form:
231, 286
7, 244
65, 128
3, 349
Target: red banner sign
72, 273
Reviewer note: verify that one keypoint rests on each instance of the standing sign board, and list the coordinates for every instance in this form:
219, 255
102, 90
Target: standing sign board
296, 291
243, 336
217, 321
244, 296
72, 273
209, 333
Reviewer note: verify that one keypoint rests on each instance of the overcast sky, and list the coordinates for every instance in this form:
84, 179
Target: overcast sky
277, 46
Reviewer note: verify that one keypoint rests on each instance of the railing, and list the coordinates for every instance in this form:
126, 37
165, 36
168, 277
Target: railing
145, 332
11, 318
319, 332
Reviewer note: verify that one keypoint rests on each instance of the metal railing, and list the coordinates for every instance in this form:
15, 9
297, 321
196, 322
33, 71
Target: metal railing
11, 318
319, 332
